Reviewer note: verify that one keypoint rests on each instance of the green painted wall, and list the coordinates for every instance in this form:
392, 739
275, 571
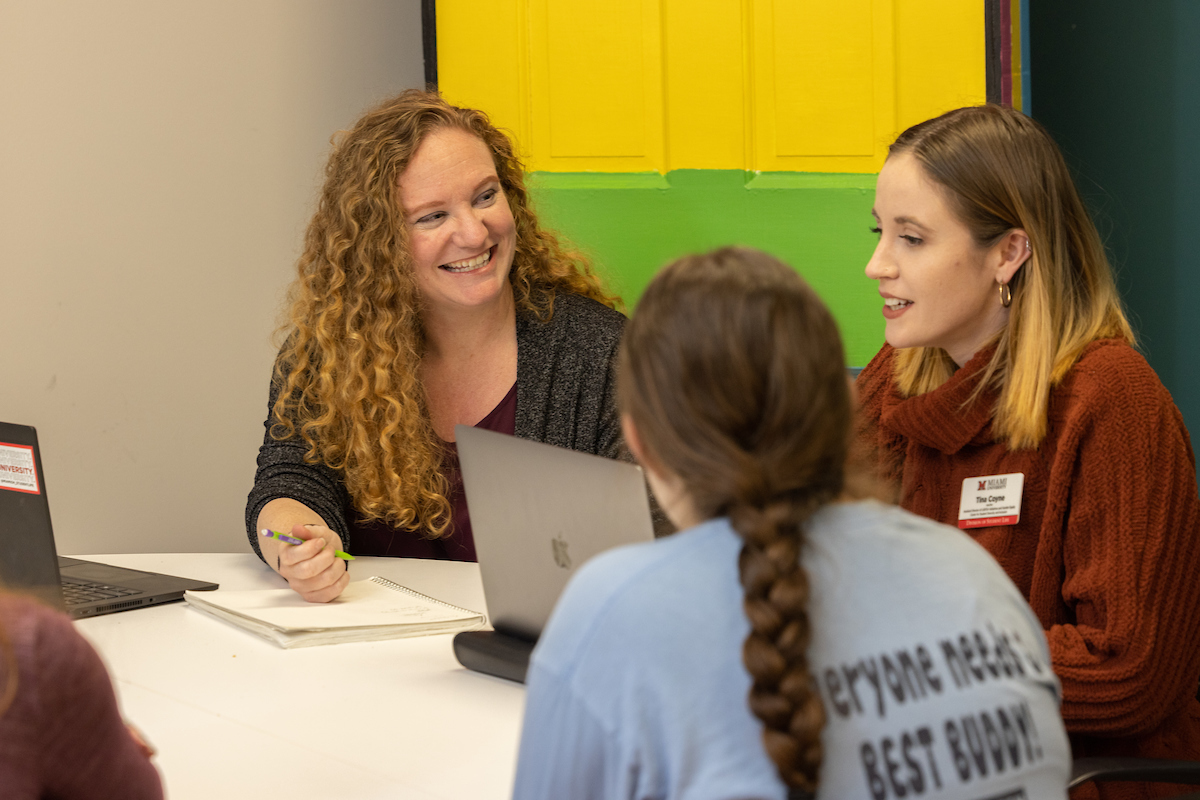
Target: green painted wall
633, 224
1118, 85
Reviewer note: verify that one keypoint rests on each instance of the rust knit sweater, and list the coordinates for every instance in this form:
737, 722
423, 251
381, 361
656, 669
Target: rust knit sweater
1107, 549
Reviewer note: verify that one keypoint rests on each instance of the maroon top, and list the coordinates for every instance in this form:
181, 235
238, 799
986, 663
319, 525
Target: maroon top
381, 538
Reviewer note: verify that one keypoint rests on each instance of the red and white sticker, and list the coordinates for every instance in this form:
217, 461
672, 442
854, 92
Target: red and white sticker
18, 472
991, 500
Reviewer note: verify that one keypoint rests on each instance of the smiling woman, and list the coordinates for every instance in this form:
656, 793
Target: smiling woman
427, 297
1008, 400
461, 230
938, 284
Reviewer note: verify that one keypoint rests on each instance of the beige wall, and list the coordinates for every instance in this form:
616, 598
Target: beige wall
158, 161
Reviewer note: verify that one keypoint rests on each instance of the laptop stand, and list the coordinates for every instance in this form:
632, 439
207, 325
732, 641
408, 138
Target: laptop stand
505, 655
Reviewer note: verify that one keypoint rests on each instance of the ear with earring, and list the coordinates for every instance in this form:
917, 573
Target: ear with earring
1005, 291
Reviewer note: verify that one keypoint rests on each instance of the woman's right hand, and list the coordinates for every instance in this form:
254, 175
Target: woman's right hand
311, 568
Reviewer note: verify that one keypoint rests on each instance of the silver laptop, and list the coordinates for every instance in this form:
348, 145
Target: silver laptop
29, 560
537, 513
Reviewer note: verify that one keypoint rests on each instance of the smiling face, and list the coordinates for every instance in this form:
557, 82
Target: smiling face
939, 286
460, 227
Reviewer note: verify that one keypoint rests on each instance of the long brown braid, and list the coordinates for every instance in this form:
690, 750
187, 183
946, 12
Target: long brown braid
732, 372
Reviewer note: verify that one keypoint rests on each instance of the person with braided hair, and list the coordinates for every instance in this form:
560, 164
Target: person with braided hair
1009, 360
790, 640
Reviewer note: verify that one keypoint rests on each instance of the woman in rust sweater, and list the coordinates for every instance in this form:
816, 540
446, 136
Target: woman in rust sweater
1010, 401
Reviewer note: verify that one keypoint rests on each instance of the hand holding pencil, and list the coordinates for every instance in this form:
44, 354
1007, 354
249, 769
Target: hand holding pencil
283, 537
310, 558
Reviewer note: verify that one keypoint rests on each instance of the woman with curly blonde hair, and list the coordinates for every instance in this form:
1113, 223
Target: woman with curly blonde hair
427, 297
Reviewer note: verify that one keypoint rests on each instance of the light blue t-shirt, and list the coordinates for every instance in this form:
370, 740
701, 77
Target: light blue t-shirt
934, 673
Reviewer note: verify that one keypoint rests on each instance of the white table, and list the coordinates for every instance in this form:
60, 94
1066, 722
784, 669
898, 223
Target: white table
233, 716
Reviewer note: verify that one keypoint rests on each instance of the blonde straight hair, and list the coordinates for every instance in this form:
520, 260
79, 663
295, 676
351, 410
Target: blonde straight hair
1001, 170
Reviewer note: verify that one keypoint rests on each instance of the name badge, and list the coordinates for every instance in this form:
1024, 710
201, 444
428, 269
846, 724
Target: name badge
991, 500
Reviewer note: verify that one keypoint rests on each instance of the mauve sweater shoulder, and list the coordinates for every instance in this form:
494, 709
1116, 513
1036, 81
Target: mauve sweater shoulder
63, 736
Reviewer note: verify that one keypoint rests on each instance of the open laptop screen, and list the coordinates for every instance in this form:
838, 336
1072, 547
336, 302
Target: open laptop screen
28, 560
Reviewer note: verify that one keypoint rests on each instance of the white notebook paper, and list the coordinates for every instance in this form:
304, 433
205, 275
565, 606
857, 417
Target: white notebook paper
366, 611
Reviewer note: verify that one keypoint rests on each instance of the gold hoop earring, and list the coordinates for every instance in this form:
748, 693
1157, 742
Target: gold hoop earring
1005, 295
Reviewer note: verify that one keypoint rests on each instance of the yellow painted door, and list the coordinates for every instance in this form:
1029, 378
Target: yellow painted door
760, 85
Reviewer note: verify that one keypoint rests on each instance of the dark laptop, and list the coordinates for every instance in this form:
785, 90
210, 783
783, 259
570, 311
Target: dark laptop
29, 561
537, 513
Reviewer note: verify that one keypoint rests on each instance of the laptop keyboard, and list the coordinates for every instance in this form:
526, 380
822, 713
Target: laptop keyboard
77, 592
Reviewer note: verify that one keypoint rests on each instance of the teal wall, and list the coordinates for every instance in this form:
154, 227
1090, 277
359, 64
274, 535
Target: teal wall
631, 224
1118, 84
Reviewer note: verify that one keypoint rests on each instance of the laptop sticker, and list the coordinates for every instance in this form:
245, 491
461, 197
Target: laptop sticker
17, 470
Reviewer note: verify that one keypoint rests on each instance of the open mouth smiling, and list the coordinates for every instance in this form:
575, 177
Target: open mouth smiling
473, 263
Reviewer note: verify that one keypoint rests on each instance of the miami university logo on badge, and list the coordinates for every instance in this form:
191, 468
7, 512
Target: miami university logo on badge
991, 500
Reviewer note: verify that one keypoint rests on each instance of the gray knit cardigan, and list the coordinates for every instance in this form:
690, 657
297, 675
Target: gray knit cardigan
566, 396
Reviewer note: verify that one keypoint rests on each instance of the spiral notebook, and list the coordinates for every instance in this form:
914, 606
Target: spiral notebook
369, 610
